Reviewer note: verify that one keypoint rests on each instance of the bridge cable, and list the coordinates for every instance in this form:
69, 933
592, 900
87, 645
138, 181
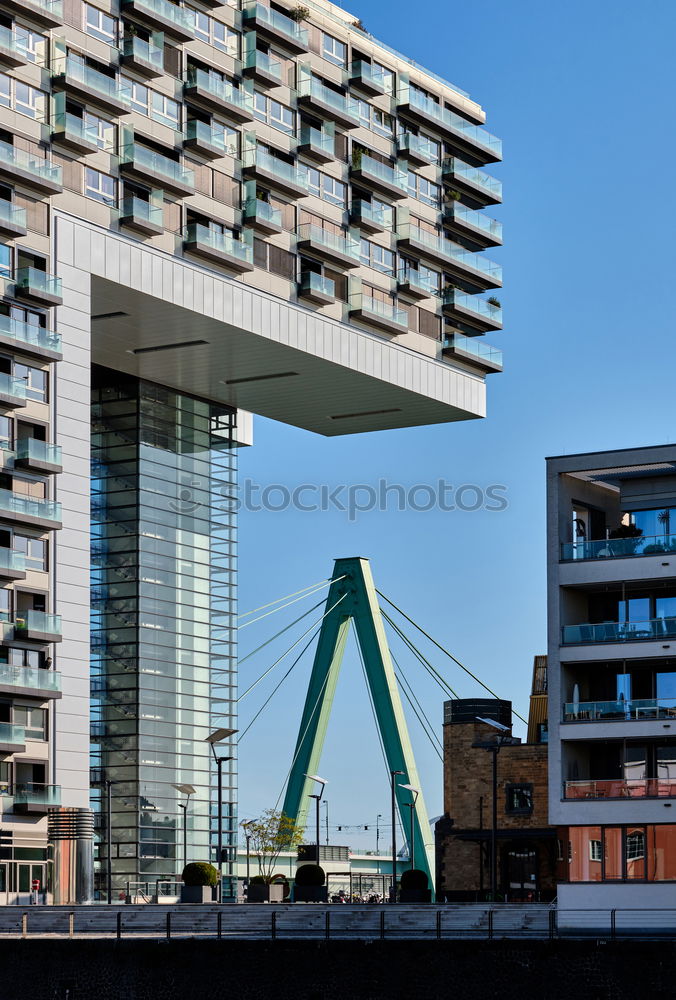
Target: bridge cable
436, 676
314, 588
419, 711
281, 632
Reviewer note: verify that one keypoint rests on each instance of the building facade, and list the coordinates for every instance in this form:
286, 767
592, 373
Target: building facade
205, 211
612, 675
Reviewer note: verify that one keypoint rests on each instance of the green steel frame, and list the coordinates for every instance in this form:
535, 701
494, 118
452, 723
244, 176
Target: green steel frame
352, 598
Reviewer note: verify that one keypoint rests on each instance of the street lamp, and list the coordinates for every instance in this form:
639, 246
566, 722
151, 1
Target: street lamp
317, 797
378, 819
502, 739
247, 837
415, 792
186, 790
393, 777
218, 736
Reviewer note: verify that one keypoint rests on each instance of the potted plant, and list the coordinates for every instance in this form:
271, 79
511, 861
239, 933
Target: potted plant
492, 301
624, 539
269, 835
260, 890
359, 24
199, 880
310, 885
299, 14
414, 887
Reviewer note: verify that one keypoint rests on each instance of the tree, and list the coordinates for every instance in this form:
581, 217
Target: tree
272, 833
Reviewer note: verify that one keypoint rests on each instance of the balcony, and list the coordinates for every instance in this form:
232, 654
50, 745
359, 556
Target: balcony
276, 27
272, 171
317, 145
316, 288
17, 165
262, 216
631, 710
218, 248
262, 68
320, 100
29, 510
144, 165
472, 181
618, 548
476, 312
620, 788
144, 57
371, 218
143, 217
417, 149
411, 282
476, 272
88, 84
383, 177
74, 133
30, 682
12, 219
36, 799
328, 246
179, 22
208, 140
12, 391
654, 628
37, 456
12, 48
367, 78
470, 139
210, 91
38, 286
12, 738
476, 228
12, 565
384, 315
46, 12
37, 626
474, 351
29, 339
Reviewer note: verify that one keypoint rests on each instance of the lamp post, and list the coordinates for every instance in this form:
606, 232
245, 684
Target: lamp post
415, 792
186, 790
502, 739
218, 736
247, 837
317, 797
393, 778
326, 821
378, 819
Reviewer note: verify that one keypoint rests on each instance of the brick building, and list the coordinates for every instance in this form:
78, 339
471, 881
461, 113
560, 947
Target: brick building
526, 845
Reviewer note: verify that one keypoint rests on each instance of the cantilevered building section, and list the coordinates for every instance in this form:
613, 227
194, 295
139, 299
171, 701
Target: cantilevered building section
224, 209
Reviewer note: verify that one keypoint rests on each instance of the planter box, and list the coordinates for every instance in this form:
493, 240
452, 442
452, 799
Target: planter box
197, 894
257, 893
310, 894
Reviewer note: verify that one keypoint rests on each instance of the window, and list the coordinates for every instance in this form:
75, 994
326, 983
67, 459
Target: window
5, 261
215, 33
100, 187
31, 44
595, 850
424, 190
274, 113
5, 604
34, 550
325, 187
34, 721
36, 381
388, 77
228, 136
519, 799
6, 433
165, 110
21, 657
425, 94
333, 50
138, 97
100, 25
377, 257
103, 131
5, 90
23, 98
374, 119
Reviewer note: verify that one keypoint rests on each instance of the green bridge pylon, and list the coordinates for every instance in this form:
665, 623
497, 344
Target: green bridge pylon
352, 598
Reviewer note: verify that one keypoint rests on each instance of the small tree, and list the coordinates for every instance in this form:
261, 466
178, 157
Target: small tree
272, 833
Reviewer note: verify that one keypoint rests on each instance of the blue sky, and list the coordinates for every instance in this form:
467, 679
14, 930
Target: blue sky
582, 96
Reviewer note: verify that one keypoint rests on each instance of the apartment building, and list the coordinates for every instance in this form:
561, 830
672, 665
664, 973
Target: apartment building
206, 210
612, 675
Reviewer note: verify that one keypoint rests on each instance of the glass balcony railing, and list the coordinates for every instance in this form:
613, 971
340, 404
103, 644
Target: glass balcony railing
37, 796
371, 167
289, 172
427, 284
30, 279
378, 215
147, 160
478, 178
620, 788
330, 241
141, 51
69, 126
477, 220
211, 136
15, 43
331, 98
386, 310
182, 17
33, 678
475, 347
453, 122
109, 87
362, 70
12, 387
633, 709
221, 89
254, 208
418, 144
32, 450
653, 628
135, 208
12, 734
18, 159
12, 561
277, 22
263, 62
224, 243
472, 303
618, 548
310, 282
12, 215
449, 251
16, 503
318, 140
25, 333
37, 621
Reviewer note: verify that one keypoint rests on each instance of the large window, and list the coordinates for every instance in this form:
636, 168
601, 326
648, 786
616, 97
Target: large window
34, 721
22, 97
622, 853
99, 186
424, 190
376, 120
519, 799
325, 187
333, 50
34, 550
153, 104
104, 131
33, 45
100, 25
377, 257
215, 33
275, 114
36, 381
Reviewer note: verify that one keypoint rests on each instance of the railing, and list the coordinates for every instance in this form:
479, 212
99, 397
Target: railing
386, 310
33, 280
471, 217
382, 171
418, 144
475, 347
37, 621
262, 160
263, 62
205, 133
69, 125
380, 215
11, 42
33, 678
427, 284
11, 386
653, 628
472, 303
93, 80
319, 140
156, 163
137, 208
37, 795
15, 503
30, 449
360, 69
182, 17
11, 214
319, 92
620, 788
618, 548
254, 208
12, 157
445, 248
223, 90
10, 733
324, 237
224, 243
310, 281
138, 48
277, 22
54, 7
633, 709
26, 333
455, 123
472, 175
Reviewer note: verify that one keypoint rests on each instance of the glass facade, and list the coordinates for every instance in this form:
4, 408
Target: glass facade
163, 606
618, 853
